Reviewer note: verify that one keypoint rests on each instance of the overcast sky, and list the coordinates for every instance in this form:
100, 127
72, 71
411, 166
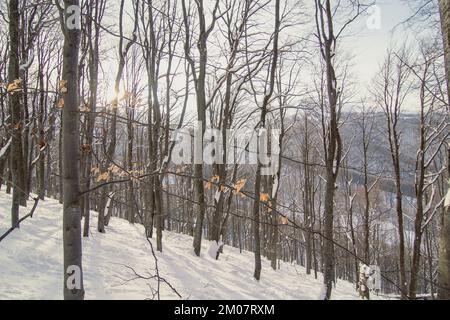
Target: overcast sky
370, 45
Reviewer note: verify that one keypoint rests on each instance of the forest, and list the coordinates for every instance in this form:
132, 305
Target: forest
288, 129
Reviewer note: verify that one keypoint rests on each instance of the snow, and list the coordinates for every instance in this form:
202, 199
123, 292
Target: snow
24, 67
31, 264
215, 248
447, 199
217, 196
5, 148
275, 186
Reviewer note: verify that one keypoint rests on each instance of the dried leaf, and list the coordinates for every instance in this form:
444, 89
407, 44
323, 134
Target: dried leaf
264, 197
17, 126
60, 103
63, 86
14, 86
85, 108
103, 177
239, 185
42, 143
114, 169
86, 148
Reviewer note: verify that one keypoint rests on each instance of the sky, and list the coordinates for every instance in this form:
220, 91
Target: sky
367, 44
369, 47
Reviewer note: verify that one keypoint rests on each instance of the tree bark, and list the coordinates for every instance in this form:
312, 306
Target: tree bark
444, 242
17, 161
332, 142
72, 211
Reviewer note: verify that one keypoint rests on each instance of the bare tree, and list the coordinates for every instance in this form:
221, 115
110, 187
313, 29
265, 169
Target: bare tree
16, 125
95, 13
332, 140
73, 274
111, 148
444, 255
393, 87
199, 76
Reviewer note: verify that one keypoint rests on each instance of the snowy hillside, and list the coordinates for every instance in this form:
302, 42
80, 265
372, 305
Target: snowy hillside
31, 265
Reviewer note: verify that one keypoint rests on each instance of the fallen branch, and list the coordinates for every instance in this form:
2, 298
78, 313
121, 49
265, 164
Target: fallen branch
30, 215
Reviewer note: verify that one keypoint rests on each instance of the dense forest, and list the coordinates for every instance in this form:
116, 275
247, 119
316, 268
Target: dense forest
239, 122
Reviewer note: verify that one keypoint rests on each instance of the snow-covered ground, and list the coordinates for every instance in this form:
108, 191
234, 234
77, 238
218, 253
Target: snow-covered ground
31, 265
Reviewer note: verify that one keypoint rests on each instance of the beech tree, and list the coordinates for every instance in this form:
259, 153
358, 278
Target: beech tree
96, 115
199, 76
16, 124
68, 86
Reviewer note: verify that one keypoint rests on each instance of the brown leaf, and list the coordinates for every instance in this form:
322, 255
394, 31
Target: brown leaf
86, 148
264, 197
284, 221
85, 108
42, 143
63, 86
14, 86
239, 185
60, 103
103, 177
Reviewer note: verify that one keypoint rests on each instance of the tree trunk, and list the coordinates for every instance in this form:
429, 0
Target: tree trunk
72, 212
444, 9
444, 242
444, 252
17, 164
256, 222
94, 33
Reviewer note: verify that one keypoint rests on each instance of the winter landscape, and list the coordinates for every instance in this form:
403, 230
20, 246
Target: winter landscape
224, 150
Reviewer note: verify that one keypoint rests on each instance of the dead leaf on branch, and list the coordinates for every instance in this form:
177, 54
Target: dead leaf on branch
17, 126
63, 86
86, 148
269, 207
42, 144
60, 103
103, 177
212, 182
284, 221
114, 169
264, 197
14, 86
85, 108
239, 185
